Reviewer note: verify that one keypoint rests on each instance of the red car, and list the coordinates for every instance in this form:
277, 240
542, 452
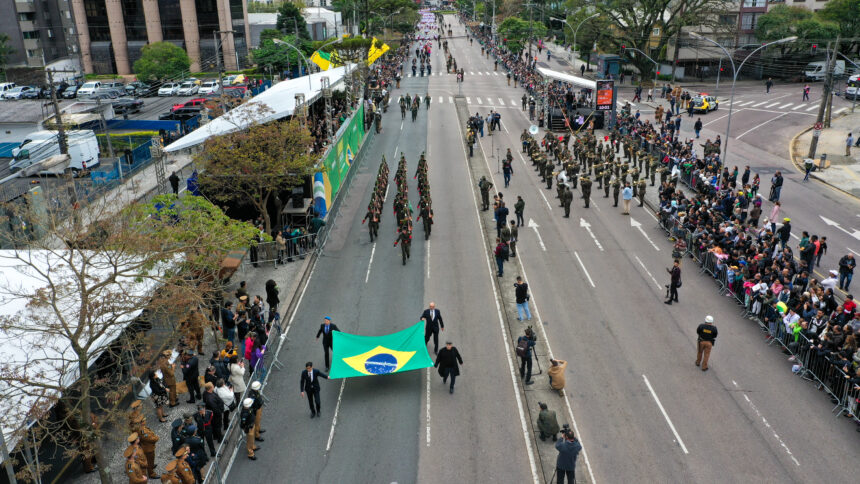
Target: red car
196, 102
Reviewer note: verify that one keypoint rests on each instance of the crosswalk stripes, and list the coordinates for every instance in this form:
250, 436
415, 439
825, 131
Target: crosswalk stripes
786, 106
810, 108
772, 105
471, 73
468, 100
480, 73
441, 99
745, 103
759, 104
513, 102
799, 106
501, 101
495, 73
450, 100
479, 101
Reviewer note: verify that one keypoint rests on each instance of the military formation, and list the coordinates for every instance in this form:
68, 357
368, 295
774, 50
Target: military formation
583, 160
374, 208
425, 208
403, 210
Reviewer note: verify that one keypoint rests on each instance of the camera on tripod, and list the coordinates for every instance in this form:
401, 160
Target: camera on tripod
566, 431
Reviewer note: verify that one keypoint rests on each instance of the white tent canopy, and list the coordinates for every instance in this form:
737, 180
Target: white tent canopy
277, 102
561, 76
41, 357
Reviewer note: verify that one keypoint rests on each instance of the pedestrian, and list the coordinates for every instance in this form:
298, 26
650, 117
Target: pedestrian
159, 394
326, 329
519, 208
525, 343
246, 422
501, 215
849, 141
447, 362
674, 283
272, 299
707, 338
502, 253
485, 185
626, 196
568, 448
432, 325
515, 236
174, 183
204, 419
822, 248
774, 213
508, 168
310, 384
547, 422
257, 407
776, 186
582, 69
216, 405
768, 85
805, 93
556, 375
190, 375
846, 271
650, 95
697, 127
228, 322
521, 291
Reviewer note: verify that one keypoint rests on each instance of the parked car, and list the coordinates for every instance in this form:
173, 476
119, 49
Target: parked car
209, 87
114, 85
71, 92
705, 103
140, 89
235, 91
227, 80
17, 92
181, 114
127, 105
89, 88
168, 89
111, 92
188, 88
5, 86
35, 92
196, 102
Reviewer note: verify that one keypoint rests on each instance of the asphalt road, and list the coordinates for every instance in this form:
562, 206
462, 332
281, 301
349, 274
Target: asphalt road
644, 411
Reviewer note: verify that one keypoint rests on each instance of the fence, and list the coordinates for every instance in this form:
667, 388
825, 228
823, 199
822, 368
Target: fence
811, 362
271, 252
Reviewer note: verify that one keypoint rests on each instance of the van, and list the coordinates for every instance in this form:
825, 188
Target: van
40, 145
817, 71
852, 88
5, 86
89, 88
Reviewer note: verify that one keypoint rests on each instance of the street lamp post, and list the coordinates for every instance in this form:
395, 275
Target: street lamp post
735, 72
656, 65
577, 30
301, 57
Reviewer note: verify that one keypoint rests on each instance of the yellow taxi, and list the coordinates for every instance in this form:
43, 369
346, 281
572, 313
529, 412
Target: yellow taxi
704, 103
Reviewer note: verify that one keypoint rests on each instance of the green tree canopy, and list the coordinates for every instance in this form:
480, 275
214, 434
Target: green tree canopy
291, 21
5, 51
844, 13
516, 32
784, 21
279, 56
161, 60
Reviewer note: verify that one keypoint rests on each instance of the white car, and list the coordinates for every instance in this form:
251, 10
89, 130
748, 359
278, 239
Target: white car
89, 88
226, 81
168, 89
210, 87
16, 92
188, 88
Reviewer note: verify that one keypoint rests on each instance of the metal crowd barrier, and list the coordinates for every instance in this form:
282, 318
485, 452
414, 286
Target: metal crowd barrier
812, 363
271, 253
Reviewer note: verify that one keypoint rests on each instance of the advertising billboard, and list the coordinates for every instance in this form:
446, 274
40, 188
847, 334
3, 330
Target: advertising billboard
605, 100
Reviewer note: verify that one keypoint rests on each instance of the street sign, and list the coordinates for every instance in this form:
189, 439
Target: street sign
818, 126
816, 133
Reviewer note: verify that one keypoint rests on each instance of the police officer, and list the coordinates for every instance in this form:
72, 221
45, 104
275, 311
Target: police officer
246, 422
196, 451
485, 185
707, 338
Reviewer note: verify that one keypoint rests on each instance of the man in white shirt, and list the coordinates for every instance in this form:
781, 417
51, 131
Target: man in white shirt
831, 282
790, 319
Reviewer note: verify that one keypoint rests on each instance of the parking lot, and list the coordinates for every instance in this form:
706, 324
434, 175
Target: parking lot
152, 106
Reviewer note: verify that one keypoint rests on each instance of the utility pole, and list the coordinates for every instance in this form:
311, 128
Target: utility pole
825, 96
61, 129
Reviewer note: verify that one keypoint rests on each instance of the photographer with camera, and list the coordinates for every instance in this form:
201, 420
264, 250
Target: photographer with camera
547, 422
568, 448
525, 344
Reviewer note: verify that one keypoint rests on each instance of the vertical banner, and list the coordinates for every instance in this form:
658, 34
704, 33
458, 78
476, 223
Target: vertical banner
337, 162
605, 100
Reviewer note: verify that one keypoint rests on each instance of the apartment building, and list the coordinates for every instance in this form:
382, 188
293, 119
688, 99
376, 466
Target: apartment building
111, 33
41, 32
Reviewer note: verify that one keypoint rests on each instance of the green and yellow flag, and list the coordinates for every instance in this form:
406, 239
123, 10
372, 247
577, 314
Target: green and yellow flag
354, 355
376, 52
322, 59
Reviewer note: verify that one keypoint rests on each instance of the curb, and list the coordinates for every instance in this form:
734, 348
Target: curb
800, 169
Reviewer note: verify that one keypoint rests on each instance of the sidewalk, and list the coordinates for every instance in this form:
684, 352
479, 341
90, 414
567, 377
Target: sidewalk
844, 171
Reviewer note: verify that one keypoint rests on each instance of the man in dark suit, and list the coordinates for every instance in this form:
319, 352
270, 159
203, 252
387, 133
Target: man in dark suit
432, 323
190, 373
310, 384
325, 330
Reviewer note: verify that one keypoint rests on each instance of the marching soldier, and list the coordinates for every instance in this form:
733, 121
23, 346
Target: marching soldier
132, 467
566, 200
427, 96
616, 190
653, 163
574, 176
641, 192
404, 238
485, 185
548, 175
664, 174
373, 226
634, 173
524, 138
607, 177
585, 183
515, 235
426, 213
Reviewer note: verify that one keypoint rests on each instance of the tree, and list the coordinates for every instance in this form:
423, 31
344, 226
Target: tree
291, 21
279, 56
161, 60
82, 285
843, 13
784, 21
5, 51
631, 23
518, 32
254, 164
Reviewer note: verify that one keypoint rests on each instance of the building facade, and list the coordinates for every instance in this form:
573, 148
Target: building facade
40, 32
112, 33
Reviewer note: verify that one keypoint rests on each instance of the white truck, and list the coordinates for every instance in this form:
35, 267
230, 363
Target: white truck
817, 71
852, 88
41, 145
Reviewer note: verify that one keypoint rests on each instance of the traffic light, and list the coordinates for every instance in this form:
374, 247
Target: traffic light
623, 48
813, 48
722, 69
658, 73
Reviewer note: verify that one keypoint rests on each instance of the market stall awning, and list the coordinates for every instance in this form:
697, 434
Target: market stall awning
561, 76
277, 102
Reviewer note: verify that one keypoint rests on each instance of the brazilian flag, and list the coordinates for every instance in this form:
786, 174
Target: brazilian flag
354, 355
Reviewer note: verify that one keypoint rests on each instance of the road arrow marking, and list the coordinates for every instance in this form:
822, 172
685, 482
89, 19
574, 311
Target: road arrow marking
637, 225
587, 226
855, 234
535, 226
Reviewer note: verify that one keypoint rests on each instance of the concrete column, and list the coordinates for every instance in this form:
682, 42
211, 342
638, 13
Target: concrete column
228, 47
83, 31
188, 11
247, 27
153, 21
116, 24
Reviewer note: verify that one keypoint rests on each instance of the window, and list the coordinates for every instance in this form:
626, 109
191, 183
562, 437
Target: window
728, 19
27, 16
748, 21
68, 14
756, 3
655, 32
33, 53
34, 34
50, 34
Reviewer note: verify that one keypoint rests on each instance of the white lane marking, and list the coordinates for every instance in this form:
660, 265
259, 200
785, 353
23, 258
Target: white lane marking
501, 101
471, 73
334, 419
759, 104
480, 73
513, 103
772, 105
760, 125
810, 108
855, 253
441, 99
650, 214
398, 146
745, 103
427, 391
584, 269
583, 223
649, 273
721, 117
369, 264
786, 106
523, 422
468, 101
801, 105
495, 73
479, 100
428, 258
775, 435
841, 111
665, 415
450, 100
533, 225
638, 226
